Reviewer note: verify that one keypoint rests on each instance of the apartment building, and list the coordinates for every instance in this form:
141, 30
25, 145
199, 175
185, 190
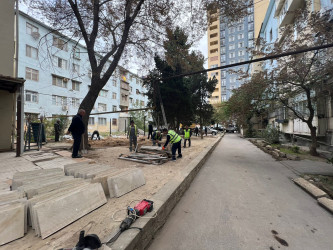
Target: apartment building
280, 13
228, 43
58, 76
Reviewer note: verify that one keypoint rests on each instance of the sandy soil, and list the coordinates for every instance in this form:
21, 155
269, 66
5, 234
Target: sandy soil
100, 221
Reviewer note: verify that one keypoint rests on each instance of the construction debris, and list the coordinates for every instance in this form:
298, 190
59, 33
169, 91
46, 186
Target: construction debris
148, 155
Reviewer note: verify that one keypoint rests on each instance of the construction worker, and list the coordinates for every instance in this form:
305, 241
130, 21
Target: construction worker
57, 128
95, 133
187, 136
132, 134
175, 140
150, 130
156, 138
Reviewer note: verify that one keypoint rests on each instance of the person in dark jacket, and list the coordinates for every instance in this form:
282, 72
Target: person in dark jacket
156, 138
150, 130
57, 129
77, 128
196, 131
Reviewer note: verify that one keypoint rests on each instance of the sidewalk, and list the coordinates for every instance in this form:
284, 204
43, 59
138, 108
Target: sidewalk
309, 167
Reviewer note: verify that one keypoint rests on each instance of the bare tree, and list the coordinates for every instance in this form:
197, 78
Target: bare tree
296, 82
125, 29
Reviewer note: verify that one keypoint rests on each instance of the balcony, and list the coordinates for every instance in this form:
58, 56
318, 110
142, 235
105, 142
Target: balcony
285, 10
124, 85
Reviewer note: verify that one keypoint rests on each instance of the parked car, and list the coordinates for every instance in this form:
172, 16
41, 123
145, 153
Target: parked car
231, 129
219, 128
210, 131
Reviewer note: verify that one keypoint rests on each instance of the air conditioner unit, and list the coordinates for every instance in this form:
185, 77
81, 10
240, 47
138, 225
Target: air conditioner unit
35, 35
64, 107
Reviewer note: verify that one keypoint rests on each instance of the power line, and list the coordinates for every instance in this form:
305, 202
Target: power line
289, 53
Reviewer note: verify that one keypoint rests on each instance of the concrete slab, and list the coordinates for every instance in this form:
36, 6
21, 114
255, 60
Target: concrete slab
40, 156
310, 188
102, 178
11, 222
73, 166
310, 167
23, 201
125, 182
326, 203
35, 180
55, 163
60, 212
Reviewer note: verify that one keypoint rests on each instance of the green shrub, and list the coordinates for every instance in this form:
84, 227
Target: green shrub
271, 135
295, 149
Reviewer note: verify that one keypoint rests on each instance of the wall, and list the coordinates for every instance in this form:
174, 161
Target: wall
7, 37
7, 104
7, 100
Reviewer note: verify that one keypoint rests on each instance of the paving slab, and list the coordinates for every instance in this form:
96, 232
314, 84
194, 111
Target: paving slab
60, 212
55, 163
125, 182
11, 222
310, 188
326, 203
40, 156
69, 167
102, 178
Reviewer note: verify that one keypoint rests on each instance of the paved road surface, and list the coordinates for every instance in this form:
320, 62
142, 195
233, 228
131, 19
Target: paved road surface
241, 199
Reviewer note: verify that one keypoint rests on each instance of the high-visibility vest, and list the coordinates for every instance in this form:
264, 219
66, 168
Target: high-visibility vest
174, 137
129, 130
187, 133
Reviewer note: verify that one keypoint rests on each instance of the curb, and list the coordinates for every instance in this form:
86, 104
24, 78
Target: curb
164, 202
321, 197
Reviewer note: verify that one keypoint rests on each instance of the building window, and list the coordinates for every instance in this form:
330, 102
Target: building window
271, 35
224, 98
223, 41
214, 43
241, 45
250, 18
103, 93
31, 52
250, 43
59, 81
142, 103
101, 107
131, 100
222, 34
75, 102
31, 96
250, 9
231, 38
76, 85
250, 26
222, 50
231, 30
114, 121
231, 46
213, 35
101, 121
231, 54
114, 83
31, 74
212, 51
223, 73
91, 121
61, 63
222, 58
31, 29
59, 100
76, 52
241, 53
76, 68
222, 26
114, 108
240, 27
251, 35
223, 82
114, 95
59, 43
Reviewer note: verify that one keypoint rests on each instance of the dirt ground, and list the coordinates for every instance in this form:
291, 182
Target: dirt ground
100, 221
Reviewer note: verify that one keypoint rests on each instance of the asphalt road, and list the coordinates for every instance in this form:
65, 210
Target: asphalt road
243, 199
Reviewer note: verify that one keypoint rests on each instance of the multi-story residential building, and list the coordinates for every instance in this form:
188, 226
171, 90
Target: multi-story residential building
229, 43
280, 13
58, 76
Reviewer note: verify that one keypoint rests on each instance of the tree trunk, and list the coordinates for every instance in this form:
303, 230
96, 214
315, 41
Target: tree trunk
88, 104
201, 128
313, 147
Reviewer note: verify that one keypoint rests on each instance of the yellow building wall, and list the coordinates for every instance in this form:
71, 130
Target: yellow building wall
214, 57
259, 15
